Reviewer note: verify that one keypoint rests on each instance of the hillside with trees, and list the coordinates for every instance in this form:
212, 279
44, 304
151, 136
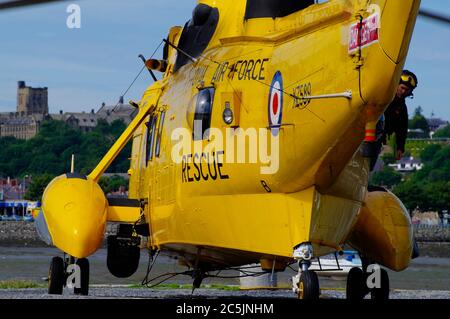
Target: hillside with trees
443, 132
427, 189
49, 153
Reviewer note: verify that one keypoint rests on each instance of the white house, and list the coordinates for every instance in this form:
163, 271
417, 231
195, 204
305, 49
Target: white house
407, 164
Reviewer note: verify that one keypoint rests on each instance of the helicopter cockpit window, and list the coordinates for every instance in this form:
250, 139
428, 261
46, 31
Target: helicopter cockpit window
203, 111
274, 8
197, 33
151, 128
159, 136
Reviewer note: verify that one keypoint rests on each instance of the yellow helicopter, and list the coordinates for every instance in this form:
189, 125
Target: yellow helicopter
251, 148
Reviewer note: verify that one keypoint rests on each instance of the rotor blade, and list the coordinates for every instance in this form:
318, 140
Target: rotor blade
22, 3
434, 16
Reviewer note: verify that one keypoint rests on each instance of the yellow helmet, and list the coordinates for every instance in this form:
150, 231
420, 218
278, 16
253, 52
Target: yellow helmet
408, 78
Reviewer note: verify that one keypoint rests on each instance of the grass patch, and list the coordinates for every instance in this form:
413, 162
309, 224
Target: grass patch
224, 287
19, 284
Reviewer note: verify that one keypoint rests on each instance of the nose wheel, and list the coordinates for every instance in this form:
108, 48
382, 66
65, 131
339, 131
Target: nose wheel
83, 288
308, 286
56, 276
68, 272
308, 281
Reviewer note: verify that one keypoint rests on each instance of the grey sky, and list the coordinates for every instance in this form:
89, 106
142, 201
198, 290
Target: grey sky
85, 67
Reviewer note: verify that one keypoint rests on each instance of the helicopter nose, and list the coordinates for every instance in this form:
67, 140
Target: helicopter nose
395, 22
397, 15
75, 213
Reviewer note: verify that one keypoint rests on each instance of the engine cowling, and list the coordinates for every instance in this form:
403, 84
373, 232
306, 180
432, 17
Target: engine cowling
383, 232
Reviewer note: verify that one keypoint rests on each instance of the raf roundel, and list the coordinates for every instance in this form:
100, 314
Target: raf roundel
276, 103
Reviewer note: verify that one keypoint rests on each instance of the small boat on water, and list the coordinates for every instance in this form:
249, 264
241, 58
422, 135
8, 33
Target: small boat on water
335, 265
28, 218
16, 218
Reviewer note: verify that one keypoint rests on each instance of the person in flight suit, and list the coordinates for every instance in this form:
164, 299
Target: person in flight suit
396, 115
395, 120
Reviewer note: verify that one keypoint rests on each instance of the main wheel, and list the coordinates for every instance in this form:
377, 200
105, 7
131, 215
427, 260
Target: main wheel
381, 293
308, 286
356, 289
83, 263
56, 276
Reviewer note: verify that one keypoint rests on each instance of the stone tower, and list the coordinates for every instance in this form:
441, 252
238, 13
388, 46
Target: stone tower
31, 100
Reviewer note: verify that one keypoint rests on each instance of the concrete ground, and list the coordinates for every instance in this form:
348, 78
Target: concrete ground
114, 292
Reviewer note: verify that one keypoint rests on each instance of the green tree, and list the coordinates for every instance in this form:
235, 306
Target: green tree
429, 188
419, 122
412, 195
113, 183
388, 177
443, 132
13, 157
438, 195
429, 151
388, 158
50, 151
37, 187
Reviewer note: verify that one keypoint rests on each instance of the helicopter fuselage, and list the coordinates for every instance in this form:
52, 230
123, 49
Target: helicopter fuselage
286, 168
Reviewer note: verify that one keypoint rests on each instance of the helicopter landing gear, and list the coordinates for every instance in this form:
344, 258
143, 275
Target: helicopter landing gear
370, 279
83, 288
56, 276
308, 282
356, 284
68, 272
381, 293
308, 286
198, 276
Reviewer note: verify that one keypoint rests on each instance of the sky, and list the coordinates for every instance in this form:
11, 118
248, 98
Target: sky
96, 63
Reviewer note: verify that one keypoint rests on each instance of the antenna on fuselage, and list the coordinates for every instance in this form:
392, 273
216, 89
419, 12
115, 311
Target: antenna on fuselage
72, 164
190, 57
151, 72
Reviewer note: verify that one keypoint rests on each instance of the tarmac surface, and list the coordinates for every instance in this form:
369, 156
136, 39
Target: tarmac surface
427, 278
143, 293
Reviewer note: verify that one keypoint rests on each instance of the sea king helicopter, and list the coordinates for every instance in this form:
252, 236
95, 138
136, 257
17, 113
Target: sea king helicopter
252, 148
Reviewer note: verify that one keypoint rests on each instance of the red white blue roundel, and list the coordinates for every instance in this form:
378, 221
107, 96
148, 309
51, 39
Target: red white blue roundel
276, 103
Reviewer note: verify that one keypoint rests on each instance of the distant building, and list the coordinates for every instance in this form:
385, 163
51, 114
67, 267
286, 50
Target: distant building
85, 122
20, 127
13, 189
32, 110
88, 121
121, 111
435, 124
31, 100
426, 219
407, 165
417, 134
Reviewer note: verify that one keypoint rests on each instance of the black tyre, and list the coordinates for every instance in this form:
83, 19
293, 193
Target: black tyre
381, 293
122, 258
356, 284
56, 276
309, 286
83, 263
